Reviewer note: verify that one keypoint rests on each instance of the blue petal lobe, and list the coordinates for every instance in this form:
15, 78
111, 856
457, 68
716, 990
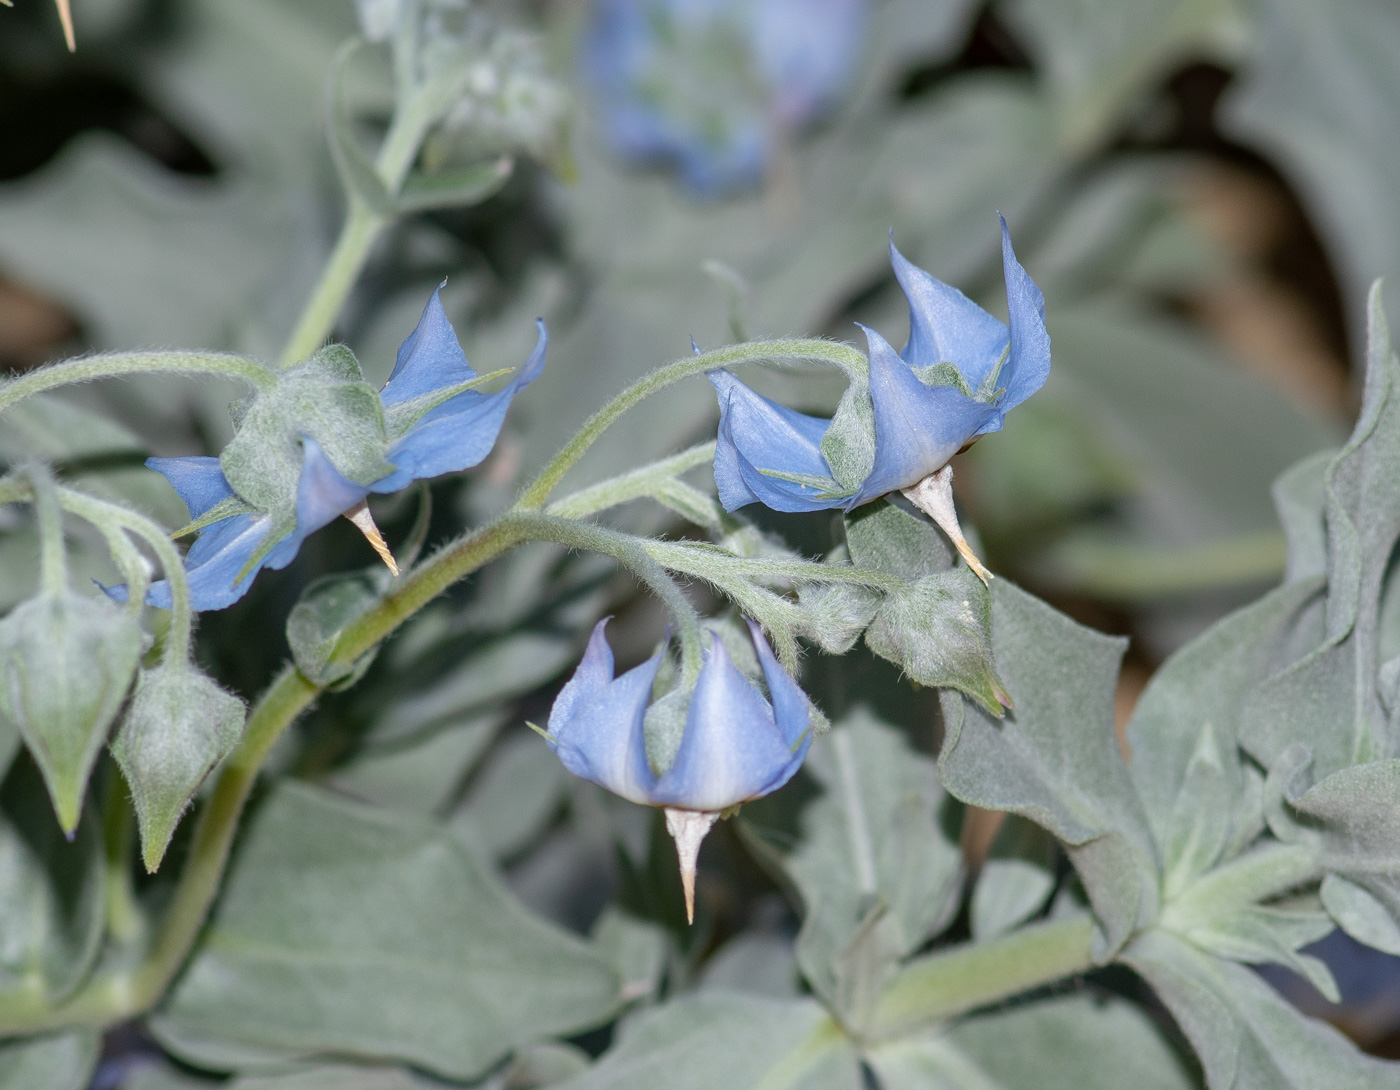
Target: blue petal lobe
945, 326
429, 358
199, 481
732, 749
917, 427
757, 434
460, 432
322, 493
791, 709
595, 725
1028, 365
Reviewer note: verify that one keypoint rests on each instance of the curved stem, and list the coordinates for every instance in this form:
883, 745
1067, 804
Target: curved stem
360, 232
839, 355
177, 644
631, 552
90, 368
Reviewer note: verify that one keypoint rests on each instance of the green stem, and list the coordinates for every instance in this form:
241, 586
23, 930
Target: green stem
839, 355
357, 238
125, 921
177, 641
631, 551
117, 364
53, 556
962, 978
632, 485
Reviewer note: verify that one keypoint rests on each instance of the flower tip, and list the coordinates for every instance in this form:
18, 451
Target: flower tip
688, 828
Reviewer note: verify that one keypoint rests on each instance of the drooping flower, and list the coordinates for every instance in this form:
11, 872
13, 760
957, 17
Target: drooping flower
959, 374
320, 446
709, 85
736, 745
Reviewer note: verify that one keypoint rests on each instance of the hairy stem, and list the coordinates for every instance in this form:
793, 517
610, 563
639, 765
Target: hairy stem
839, 355
116, 364
962, 978
361, 230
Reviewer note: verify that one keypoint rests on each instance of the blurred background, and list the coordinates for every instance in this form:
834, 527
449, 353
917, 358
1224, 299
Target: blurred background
1204, 189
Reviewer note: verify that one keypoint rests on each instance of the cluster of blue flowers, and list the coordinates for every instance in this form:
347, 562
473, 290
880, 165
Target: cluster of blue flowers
710, 86
961, 371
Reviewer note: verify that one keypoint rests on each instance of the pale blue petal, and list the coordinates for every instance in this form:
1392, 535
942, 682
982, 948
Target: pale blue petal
224, 548
429, 359
917, 427
199, 481
757, 434
791, 709
945, 326
732, 750
460, 432
595, 725
1028, 365
322, 493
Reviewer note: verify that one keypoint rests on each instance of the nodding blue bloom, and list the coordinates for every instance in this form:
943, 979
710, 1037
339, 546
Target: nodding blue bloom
708, 85
453, 435
737, 746
955, 380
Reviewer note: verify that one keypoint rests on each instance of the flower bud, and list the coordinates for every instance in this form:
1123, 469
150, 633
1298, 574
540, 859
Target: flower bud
179, 726
66, 663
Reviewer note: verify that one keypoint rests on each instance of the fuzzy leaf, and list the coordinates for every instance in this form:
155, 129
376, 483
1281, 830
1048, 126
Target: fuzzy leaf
350, 930
61, 1062
1055, 758
1015, 880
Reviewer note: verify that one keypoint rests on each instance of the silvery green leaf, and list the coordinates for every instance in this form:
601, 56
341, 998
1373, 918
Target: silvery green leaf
1186, 766
1015, 880
370, 934
1330, 700
51, 891
739, 1042
60, 1062
874, 856
498, 671
755, 962
1097, 57
1300, 499
545, 1065
453, 188
1073, 1042
637, 948
336, 1077
179, 725
422, 774
1352, 818
325, 609
1360, 914
1246, 1035
1258, 934
1317, 97
519, 788
1055, 757
66, 662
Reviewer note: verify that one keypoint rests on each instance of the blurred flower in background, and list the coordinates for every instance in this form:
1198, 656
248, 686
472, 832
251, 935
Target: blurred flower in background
713, 86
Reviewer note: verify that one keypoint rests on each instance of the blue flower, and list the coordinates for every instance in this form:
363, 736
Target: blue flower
736, 745
956, 379
708, 85
453, 435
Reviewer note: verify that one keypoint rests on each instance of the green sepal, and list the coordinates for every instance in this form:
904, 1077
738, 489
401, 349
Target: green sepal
179, 726
66, 662
324, 398
225, 508
326, 608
